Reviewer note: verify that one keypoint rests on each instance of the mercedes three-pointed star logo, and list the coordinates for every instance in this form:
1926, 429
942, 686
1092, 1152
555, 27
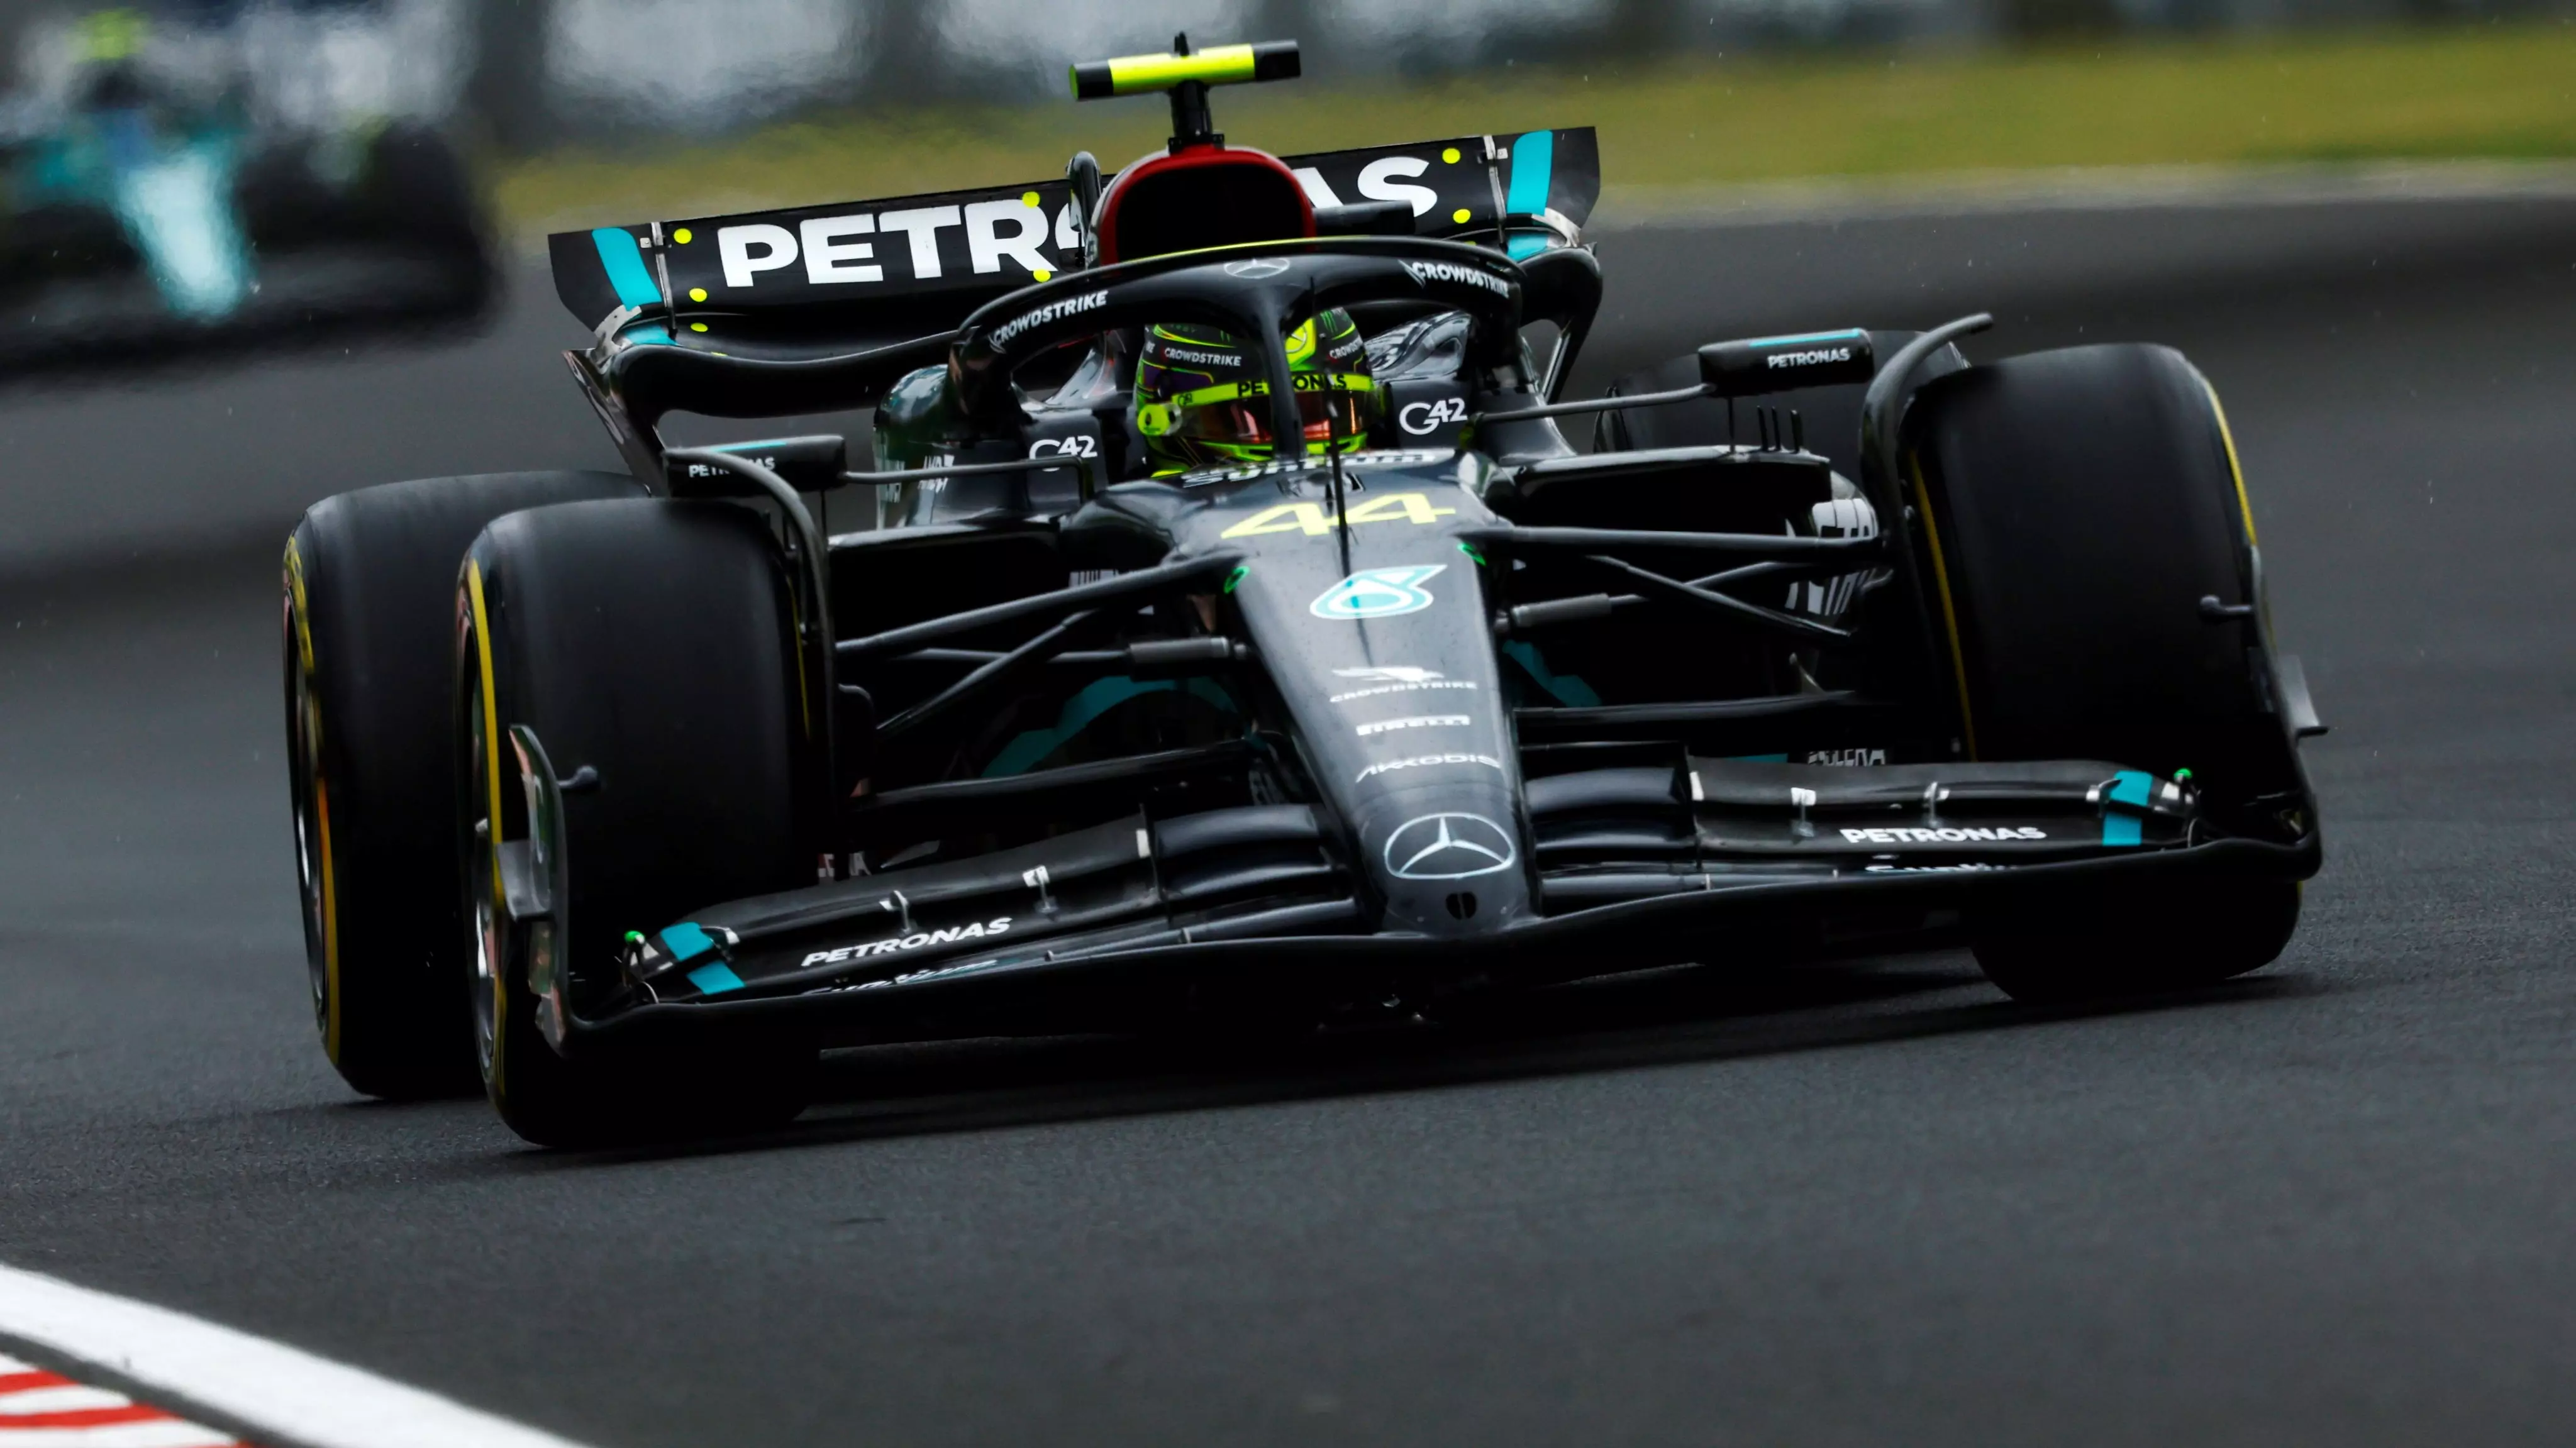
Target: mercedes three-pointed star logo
1448, 847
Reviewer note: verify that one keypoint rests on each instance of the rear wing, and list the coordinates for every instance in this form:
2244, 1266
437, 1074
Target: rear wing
922, 263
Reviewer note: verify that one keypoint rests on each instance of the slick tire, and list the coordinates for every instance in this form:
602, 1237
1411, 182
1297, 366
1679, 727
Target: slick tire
370, 581
2081, 505
652, 643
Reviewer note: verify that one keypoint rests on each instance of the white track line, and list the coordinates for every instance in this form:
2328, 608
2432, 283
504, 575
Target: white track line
40, 1409
271, 1388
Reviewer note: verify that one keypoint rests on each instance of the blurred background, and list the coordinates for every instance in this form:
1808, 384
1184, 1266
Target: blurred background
567, 111
307, 236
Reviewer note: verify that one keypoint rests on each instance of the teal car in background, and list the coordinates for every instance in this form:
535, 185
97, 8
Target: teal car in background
199, 175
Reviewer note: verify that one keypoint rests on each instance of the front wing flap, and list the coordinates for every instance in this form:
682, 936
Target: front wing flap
1634, 870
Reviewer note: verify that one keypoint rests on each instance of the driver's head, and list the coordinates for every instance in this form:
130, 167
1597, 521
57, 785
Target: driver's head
1201, 400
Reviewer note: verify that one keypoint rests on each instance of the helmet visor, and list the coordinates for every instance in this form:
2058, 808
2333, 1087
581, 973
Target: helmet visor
1245, 421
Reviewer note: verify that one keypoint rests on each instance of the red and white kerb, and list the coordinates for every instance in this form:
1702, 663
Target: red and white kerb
39, 1409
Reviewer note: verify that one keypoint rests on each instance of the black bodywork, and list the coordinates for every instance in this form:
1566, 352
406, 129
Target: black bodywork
1466, 709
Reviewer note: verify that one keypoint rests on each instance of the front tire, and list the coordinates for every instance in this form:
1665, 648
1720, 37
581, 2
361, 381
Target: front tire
368, 580
2100, 945
2082, 505
652, 643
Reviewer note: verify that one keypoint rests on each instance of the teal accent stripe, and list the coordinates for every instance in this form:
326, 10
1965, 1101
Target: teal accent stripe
1566, 689
1533, 171
624, 261
1845, 335
649, 336
686, 942
1095, 699
1533, 168
2131, 787
715, 979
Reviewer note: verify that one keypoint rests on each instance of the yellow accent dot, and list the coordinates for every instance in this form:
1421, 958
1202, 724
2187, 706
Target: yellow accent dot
1028, 198
683, 236
1042, 274
1450, 155
697, 294
697, 326
1460, 215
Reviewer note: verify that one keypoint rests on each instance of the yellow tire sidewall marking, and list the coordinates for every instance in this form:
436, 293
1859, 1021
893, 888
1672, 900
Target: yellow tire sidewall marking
2236, 473
330, 923
310, 727
2235, 469
492, 772
1949, 612
303, 621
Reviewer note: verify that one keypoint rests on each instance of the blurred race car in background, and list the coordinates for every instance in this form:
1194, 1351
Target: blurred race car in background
220, 172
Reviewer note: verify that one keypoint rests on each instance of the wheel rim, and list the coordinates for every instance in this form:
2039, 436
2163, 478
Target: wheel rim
490, 945
487, 982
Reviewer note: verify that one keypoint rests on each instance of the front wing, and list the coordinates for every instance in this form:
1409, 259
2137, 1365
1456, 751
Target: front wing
1708, 860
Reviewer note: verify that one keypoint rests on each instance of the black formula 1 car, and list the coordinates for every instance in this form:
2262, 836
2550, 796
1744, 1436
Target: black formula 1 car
1831, 643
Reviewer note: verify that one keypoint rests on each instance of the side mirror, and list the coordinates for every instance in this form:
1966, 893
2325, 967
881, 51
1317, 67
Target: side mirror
1365, 218
1564, 289
1762, 365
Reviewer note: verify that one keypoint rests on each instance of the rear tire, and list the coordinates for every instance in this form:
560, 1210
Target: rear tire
2082, 504
652, 642
370, 577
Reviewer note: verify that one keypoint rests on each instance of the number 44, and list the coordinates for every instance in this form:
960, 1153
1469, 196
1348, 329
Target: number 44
1311, 519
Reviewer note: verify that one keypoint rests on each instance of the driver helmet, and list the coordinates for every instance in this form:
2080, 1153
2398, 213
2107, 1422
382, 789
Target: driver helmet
1201, 400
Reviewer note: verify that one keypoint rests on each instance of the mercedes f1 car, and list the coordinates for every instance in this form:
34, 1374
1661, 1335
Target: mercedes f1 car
173, 184
1239, 638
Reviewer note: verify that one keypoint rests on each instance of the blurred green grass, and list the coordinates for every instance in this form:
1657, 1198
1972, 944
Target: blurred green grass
2491, 92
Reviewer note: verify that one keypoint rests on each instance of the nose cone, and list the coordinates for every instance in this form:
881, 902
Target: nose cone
1449, 861
1374, 626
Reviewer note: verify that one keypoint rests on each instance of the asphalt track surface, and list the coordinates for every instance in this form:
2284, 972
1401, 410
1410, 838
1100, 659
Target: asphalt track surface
2333, 1203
